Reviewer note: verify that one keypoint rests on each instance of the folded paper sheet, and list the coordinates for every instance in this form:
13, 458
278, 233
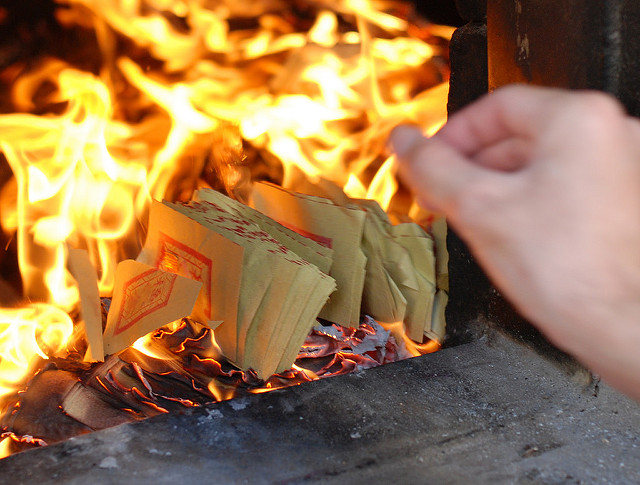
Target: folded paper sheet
382, 298
145, 299
273, 296
85, 274
419, 246
181, 245
339, 228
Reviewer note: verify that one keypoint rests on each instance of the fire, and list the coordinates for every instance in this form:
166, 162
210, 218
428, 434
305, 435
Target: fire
415, 349
318, 96
5, 448
40, 330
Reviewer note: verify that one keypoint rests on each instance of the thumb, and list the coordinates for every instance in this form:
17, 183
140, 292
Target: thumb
437, 173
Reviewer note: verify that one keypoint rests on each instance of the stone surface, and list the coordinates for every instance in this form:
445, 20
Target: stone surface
487, 412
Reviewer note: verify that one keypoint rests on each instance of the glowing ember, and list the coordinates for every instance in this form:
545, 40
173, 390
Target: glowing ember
182, 95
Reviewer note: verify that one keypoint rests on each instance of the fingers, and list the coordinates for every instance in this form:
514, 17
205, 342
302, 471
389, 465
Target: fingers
507, 155
482, 146
435, 172
516, 112
510, 112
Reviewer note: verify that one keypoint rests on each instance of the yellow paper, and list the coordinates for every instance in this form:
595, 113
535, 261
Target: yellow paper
381, 298
300, 318
419, 303
145, 299
390, 283
273, 314
439, 231
270, 271
438, 322
307, 321
339, 228
255, 277
309, 250
180, 245
86, 276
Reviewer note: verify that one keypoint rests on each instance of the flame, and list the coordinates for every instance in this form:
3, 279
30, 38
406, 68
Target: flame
219, 392
319, 101
70, 189
42, 331
5, 447
415, 349
383, 186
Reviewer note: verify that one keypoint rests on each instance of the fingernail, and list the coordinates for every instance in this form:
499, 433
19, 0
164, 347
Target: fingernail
403, 138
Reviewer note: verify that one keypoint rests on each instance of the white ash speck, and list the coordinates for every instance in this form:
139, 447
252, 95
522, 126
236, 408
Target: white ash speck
238, 404
155, 451
355, 435
211, 415
108, 462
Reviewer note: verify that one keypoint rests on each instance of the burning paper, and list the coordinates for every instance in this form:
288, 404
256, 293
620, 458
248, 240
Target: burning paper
420, 298
165, 97
400, 267
408, 260
144, 299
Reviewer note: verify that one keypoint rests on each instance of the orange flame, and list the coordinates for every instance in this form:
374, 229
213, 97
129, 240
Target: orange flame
5, 447
415, 349
321, 102
41, 330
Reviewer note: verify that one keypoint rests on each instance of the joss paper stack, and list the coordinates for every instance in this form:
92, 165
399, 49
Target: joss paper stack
266, 296
331, 225
400, 282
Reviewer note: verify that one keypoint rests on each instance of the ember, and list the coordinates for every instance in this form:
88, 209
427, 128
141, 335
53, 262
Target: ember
167, 100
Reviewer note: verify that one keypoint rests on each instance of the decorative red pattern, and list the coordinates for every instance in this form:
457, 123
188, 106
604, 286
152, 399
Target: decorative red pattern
143, 295
175, 257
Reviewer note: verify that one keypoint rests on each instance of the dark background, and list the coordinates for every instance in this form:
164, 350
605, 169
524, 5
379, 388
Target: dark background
439, 11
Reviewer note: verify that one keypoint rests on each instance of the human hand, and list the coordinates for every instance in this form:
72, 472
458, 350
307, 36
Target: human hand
544, 186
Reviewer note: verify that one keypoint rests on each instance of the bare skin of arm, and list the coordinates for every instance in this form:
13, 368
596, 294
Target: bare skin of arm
544, 187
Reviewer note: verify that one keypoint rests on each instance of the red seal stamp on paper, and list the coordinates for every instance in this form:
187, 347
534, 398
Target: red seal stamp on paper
175, 257
142, 295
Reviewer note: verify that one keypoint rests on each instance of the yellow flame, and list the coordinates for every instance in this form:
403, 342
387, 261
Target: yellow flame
146, 345
383, 186
219, 392
5, 447
320, 102
354, 188
307, 372
37, 330
414, 348
69, 187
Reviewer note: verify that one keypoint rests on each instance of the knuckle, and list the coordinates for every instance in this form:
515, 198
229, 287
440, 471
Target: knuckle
474, 199
595, 111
